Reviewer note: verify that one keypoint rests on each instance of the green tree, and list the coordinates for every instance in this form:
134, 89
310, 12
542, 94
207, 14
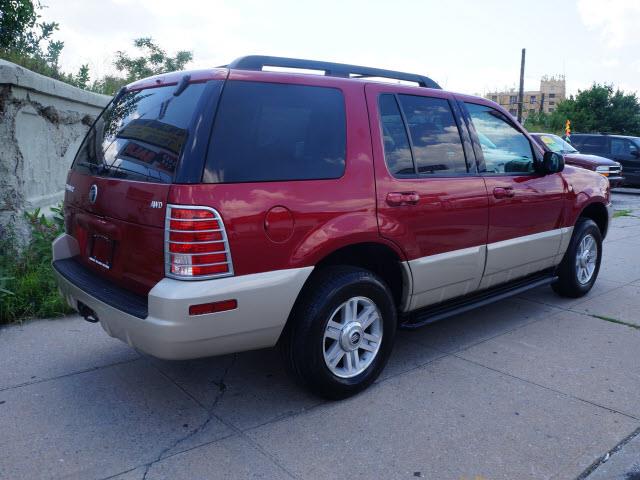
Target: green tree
27, 41
16, 18
601, 108
21, 31
539, 122
153, 61
81, 79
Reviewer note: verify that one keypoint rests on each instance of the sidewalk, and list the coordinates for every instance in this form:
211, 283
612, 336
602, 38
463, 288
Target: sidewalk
533, 387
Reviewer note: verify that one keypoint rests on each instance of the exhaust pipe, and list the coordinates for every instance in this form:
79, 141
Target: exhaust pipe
88, 314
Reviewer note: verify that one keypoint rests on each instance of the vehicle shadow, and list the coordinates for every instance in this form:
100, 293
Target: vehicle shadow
252, 388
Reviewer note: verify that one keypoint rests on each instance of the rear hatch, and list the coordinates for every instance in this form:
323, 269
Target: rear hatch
118, 186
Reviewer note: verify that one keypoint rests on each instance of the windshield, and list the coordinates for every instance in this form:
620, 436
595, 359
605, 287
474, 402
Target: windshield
556, 144
140, 135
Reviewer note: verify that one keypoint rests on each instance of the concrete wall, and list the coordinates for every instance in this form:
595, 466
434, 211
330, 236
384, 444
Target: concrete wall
42, 123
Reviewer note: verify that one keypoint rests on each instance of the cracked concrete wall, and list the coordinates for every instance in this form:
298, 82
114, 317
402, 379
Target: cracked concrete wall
42, 123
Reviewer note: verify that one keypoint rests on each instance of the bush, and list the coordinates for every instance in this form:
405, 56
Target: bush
27, 286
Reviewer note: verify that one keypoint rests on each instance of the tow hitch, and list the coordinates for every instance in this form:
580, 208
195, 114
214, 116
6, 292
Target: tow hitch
88, 314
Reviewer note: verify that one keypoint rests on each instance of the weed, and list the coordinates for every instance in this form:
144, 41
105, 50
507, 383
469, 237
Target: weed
27, 285
622, 213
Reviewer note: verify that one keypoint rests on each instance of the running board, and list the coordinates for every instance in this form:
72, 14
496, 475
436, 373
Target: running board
434, 313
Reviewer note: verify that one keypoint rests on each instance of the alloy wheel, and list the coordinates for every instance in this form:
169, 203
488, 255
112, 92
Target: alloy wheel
352, 337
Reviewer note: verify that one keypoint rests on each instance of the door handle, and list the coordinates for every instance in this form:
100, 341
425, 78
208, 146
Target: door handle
397, 199
503, 192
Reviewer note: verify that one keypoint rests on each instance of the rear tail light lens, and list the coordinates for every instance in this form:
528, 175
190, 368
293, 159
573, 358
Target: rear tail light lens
194, 225
199, 236
196, 244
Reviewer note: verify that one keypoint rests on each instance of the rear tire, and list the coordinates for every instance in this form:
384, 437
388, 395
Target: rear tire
581, 263
341, 332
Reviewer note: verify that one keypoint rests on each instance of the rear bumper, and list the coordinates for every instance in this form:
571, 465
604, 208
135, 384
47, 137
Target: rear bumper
168, 331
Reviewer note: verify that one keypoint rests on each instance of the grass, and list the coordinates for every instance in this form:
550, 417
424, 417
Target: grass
623, 213
615, 320
27, 285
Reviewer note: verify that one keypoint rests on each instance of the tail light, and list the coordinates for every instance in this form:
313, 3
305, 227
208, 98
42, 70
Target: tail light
196, 244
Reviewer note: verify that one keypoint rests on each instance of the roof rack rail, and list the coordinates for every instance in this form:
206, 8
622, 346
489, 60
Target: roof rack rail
258, 62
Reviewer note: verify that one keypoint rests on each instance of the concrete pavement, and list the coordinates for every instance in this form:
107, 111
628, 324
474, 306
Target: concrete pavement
533, 387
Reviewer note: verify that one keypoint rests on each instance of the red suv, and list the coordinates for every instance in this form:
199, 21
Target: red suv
237, 208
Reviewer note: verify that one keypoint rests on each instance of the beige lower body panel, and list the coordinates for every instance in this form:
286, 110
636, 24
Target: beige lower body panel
264, 303
518, 257
437, 278
440, 277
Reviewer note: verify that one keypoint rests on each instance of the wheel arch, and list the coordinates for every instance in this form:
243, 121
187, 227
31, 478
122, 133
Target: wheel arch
597, 212
376, 256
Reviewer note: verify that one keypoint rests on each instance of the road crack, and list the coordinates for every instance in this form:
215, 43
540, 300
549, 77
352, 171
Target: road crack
615, 320
222, 388
607, 455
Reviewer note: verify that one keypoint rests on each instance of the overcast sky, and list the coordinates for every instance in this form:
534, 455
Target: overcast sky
467, 46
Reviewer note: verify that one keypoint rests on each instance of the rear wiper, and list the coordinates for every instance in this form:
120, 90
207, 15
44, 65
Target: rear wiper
182, 86
94, 168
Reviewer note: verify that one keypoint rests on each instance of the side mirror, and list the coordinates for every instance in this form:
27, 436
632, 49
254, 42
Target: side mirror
635, 153
552, 162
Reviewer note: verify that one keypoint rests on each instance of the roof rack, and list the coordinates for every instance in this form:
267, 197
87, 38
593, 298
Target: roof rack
258, 62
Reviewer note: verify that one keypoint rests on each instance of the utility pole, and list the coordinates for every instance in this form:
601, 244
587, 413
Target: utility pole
521, 91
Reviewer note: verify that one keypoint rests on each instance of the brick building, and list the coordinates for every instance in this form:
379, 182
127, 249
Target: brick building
552, 91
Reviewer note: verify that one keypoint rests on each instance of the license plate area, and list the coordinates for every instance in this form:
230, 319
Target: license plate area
101, 251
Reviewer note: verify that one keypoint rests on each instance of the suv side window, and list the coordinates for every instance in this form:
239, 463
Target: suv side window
505, 149
594, 144
397, 151
435, 138
422, 138
274, 132
623, 146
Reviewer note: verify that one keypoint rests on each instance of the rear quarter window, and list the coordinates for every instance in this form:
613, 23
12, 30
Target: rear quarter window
274, 132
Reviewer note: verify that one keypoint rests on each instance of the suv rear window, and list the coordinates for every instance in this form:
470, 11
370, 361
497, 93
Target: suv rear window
140, 135
270, 132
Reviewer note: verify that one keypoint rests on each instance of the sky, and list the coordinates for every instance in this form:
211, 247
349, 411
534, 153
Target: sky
468, 46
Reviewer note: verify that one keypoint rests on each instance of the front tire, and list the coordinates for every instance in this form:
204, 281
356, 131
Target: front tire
581, 263
341, 332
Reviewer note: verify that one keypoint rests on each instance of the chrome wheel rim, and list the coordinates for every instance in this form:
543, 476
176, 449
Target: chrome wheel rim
586, 257
352, 337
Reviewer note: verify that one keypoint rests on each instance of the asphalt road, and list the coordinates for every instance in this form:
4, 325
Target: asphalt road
533, 387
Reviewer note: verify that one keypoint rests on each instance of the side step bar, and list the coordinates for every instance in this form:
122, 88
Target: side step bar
434, 313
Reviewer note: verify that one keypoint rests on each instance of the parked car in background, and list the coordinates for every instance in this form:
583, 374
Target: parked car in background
235, 208
604, 166
621, 148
